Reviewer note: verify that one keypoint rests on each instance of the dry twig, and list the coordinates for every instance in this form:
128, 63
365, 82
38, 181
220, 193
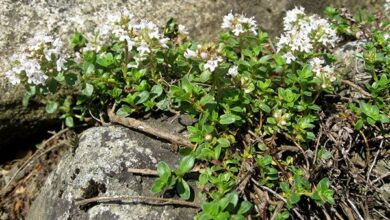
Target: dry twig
380, 178
138, 199
373, 164
360, 89
145, 172
144, 127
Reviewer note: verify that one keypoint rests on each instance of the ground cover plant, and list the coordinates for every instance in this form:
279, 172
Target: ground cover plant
279, 122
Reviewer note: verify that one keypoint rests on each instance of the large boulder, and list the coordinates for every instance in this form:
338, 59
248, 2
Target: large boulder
202, 17
98, 167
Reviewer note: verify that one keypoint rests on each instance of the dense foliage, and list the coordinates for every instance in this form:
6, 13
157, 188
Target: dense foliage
258, 108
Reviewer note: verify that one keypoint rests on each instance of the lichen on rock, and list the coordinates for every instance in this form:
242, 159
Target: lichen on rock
98, 167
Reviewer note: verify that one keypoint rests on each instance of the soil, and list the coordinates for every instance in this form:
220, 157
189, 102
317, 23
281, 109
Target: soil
25, 171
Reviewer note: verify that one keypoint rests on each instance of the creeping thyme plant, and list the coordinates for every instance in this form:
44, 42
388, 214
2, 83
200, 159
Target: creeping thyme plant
259, 103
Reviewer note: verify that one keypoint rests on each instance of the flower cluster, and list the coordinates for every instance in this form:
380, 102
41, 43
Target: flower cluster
239, 24
303, 34
141, 35
207, 53
324, 74
43, 54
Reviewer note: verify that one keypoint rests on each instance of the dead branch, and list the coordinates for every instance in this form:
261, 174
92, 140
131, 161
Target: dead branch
144, 127
360, 89
138, 199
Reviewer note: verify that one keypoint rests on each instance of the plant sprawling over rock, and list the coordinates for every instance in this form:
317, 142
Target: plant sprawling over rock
269, 120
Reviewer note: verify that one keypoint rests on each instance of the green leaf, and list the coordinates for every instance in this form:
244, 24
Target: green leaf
305, 72
124, 111
285, 187
226, 119
186, 164
158, 185
183, 189
224, 142
205, 76
88, 90
266, 160
324, 154
69, 121
51, 107
26, 99
78, 40
71, 79
163, 169
105, 60
265, 107
157, 90
283, 215
245, 207
143, 97
207, 99
323, 185
371, 121
293, 199
211, 208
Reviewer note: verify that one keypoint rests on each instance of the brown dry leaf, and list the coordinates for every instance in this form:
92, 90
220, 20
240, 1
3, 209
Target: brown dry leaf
20, 190
18, 206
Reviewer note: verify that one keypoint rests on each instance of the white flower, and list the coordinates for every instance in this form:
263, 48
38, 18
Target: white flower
130, 44
233, 71
38, 41
143, 48
324, 74
164, 42
34, 73
289, 57
228, 20
60, 63
303, 32
292, 16
238, 29
121, 34
212, 64
56, 49
90, 47
239, 24
189, 54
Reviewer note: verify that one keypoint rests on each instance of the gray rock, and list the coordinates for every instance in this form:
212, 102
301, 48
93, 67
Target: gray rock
350, 60
98, 167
